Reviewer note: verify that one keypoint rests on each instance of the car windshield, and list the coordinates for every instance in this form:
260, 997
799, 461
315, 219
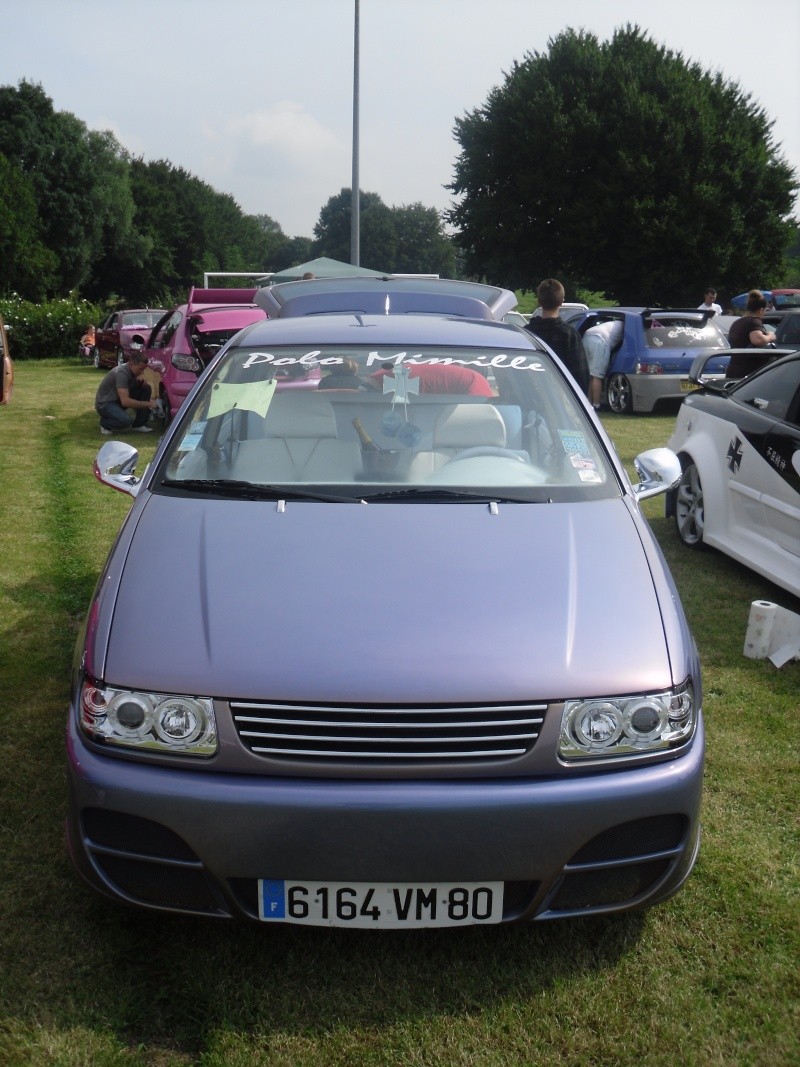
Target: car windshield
443, 424
672, 332
131, 319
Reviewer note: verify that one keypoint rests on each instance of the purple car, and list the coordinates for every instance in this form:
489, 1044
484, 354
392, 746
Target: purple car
352, 660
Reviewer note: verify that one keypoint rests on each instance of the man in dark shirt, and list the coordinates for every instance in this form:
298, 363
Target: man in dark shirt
749, 332
559, 335
121, 392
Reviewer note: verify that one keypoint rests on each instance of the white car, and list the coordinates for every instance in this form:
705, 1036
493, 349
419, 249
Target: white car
739, 447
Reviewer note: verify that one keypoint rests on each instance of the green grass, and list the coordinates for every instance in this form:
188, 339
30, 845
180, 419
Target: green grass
710, 977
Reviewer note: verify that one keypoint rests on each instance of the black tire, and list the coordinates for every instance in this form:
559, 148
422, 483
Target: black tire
689, 509
619, 394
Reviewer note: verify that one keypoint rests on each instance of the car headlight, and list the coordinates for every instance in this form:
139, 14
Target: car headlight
155, 722
610, 727
184, 362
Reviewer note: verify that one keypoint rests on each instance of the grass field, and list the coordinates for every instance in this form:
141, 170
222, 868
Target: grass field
708, 978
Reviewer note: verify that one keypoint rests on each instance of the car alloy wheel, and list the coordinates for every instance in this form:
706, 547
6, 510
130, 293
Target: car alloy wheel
689, 512
620, 399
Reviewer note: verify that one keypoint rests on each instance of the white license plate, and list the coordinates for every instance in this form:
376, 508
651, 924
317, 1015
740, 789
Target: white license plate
395, 905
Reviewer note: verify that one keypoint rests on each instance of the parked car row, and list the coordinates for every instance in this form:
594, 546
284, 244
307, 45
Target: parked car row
387, 685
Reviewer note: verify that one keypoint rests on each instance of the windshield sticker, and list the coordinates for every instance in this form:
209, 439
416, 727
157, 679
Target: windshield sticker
252, 396
589, 476
575, 443
692, 332
192, 439
579, 454
316, 359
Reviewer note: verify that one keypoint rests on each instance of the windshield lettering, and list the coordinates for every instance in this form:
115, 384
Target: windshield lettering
316, 359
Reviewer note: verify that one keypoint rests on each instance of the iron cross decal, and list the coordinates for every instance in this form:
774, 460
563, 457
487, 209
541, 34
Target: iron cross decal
734, 455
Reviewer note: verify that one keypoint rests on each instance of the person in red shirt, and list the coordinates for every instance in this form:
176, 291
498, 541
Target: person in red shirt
439, 378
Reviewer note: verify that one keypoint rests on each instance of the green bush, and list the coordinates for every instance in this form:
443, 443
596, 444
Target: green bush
40, 331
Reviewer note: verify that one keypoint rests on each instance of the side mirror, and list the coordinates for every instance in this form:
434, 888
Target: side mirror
659, 470
115, 465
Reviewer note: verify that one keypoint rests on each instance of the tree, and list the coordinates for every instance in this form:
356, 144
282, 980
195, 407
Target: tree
404, 240
378, 239
78, 179
623, 168
422, 245
27, 267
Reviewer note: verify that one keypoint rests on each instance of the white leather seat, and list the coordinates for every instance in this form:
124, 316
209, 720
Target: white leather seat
300, 445
459, 426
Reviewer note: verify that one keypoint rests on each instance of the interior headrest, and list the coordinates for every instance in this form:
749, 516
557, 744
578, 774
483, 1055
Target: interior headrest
466, 425
312, 417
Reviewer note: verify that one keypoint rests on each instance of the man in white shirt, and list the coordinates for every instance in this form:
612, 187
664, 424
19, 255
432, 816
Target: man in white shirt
708, 304
599, 342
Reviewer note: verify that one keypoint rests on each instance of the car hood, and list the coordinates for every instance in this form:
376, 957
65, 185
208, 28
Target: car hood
381, 602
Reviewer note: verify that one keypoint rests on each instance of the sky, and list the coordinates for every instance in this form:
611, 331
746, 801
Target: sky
255, 97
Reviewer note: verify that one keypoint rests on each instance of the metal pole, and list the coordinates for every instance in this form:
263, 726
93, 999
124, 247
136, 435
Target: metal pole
355, 206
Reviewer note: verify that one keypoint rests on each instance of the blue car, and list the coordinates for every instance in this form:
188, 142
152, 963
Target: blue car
651, 364
352, 662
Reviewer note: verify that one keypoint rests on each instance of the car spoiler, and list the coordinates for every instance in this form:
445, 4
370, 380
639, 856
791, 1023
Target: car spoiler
220, 296
382, 304
381, 296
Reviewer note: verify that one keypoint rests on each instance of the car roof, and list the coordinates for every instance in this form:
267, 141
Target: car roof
386, 296
388, 329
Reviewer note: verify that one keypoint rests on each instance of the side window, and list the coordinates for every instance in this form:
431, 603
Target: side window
167, 331
775, 392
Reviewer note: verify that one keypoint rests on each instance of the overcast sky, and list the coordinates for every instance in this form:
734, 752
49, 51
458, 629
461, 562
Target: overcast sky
255, 97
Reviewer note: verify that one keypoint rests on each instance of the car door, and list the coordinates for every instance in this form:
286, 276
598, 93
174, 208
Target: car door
6, 367
774, 433
107, 339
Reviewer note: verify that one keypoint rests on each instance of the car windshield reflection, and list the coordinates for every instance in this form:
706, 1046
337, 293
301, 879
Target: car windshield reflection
380, 424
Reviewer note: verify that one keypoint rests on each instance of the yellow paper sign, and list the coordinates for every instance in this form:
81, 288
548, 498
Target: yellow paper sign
251, 396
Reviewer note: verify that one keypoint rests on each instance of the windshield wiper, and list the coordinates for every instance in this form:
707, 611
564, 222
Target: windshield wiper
441, 493
255, 490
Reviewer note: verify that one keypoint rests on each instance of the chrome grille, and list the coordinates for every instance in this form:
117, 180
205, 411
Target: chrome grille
309, 732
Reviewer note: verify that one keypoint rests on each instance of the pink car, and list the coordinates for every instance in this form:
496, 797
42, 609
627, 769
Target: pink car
184, 340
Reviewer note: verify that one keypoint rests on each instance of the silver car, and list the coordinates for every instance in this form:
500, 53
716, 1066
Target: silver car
360, 655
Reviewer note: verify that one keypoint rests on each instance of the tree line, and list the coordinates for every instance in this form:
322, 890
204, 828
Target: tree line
79, 214
616, 166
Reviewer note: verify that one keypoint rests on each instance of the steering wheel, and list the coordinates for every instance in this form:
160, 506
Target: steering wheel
485, 450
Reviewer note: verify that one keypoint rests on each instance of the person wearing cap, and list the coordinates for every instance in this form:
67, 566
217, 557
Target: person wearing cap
122, 392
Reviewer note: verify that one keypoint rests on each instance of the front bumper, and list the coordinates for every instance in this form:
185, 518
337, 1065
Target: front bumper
197, 841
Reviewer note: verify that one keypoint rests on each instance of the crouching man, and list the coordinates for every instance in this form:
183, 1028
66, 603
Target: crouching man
122, 392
